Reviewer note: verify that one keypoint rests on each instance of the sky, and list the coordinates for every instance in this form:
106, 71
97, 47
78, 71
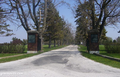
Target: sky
68, 15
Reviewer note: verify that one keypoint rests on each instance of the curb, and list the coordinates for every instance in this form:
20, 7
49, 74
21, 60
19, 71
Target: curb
108, 57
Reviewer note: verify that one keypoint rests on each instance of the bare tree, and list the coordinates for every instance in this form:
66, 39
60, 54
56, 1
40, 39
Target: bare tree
27, 11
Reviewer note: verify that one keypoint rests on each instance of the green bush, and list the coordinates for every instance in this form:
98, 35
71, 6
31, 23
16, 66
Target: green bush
12, 48
20, 48
112, 47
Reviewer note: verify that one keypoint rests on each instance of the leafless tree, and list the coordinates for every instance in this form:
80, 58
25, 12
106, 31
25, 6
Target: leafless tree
28, 13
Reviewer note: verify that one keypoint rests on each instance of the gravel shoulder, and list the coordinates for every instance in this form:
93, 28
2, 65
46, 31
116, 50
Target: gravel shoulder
64, 62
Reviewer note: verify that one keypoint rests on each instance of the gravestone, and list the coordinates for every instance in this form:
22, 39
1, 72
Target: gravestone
32, 41
93, 42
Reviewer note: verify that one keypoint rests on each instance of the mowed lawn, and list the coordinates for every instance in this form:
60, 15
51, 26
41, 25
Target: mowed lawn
83, 50
103, 52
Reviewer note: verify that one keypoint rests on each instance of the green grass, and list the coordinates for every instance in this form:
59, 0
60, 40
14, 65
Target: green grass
46, 49
83, 48
16, 58
102, 49
103, 52
115, 55
25, 49
98, 58
52, 47
8, 54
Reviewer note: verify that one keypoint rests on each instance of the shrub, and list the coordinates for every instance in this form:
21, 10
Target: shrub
20, 48
12, 48
112, 47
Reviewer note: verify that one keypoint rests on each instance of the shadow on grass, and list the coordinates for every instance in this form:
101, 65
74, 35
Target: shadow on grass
83, 51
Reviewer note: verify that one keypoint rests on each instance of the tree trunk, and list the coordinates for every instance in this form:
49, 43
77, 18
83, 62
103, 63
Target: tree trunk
40, 47
49, 41
87, 44
54, 43
58, 42
67, 42
39, 44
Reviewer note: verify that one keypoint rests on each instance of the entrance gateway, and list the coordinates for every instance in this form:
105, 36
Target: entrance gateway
33, 44
93, 42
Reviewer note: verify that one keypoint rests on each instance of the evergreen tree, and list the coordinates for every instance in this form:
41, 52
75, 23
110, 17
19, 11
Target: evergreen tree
67, 31
54, 24
4, 31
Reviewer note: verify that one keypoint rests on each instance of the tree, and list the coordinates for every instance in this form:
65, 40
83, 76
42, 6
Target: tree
79, 37
16, 41
83, 20
4, 31
109, 39
29, 14
58, 29
68, 37
24, 41
118, 40
26, 12
100, 12
54, 24
114, 41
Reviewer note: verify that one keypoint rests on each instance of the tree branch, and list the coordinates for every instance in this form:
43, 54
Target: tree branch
37, 3
30, 11
98, 3
20, 17
107, 2
25, 19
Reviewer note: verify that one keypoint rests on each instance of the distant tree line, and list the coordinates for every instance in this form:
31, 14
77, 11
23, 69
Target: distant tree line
58, 30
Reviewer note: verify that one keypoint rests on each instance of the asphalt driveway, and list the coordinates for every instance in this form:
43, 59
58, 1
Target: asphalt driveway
64, 62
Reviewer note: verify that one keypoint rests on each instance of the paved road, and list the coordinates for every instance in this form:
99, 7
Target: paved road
64, 62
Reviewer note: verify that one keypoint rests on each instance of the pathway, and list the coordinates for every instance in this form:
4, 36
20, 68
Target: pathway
64, 62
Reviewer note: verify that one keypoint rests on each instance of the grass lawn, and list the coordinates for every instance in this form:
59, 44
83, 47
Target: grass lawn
103, 52
7, 54
83, 48
16, 58
45, 49
98, 58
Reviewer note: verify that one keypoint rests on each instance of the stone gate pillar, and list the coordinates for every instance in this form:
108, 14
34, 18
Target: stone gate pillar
32, 41
93, 42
